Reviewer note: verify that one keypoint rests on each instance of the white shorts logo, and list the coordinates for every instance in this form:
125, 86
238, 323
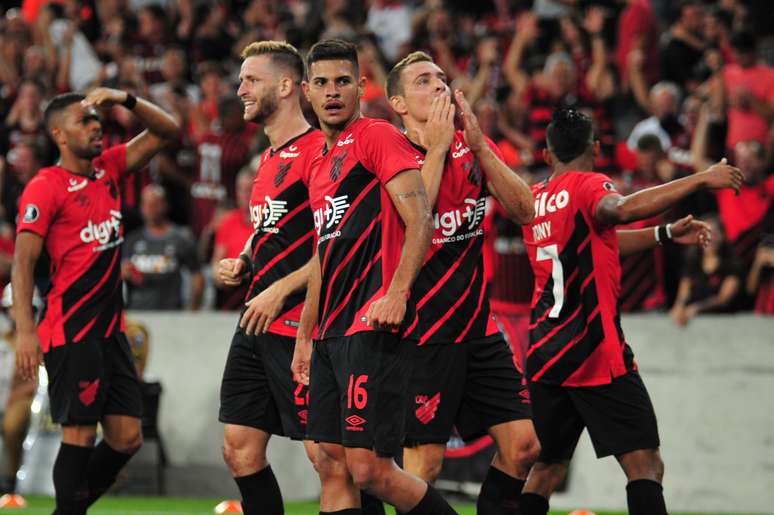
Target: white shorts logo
31, 214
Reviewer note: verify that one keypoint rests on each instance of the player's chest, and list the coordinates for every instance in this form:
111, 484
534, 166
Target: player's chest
92, 208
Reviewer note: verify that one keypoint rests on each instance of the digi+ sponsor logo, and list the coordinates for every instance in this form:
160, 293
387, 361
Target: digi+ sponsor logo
330, 215
265, 216
102, 232
469, 217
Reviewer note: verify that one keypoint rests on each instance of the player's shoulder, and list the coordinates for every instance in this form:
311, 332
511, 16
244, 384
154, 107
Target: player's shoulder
584, 178
372, 128
49, 177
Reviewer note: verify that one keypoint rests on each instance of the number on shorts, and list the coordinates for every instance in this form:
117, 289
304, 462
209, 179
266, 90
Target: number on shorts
357, 392
557, 274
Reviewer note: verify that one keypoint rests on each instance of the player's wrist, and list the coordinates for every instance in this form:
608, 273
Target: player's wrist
130, 101
248, 263
663, 233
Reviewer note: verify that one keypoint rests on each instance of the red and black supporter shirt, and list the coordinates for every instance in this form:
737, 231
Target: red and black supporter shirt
575, 331
282, 219
747, 217
360, 233
80, 219
450, 290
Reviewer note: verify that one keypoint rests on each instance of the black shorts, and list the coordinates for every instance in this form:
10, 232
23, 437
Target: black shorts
472, 385
258, 388
619, 417
92, 378
358, 391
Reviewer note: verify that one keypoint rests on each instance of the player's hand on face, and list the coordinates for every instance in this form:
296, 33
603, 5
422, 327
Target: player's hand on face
28, 354
231, 271
473, 135
688, 231
104, 97
439, 129
302, 359
262, 310
387, 312
722, 175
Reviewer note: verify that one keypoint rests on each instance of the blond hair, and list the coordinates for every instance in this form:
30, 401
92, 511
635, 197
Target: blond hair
394, 86
282, 54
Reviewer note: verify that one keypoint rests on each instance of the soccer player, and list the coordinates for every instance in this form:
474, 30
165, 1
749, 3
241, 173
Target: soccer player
581, 372
374, 226
464, 374
73, 210
258, 396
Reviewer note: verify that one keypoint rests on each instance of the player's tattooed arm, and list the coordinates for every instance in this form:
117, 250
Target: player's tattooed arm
28, 249
510, 190
161, 126
389, 311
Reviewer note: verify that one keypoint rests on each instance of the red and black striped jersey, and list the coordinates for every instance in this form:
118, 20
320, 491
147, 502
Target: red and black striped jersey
575, 331
79, 218
450, 290
282, 220
360, 233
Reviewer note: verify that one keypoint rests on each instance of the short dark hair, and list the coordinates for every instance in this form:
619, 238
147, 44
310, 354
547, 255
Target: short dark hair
569, 135
331, 50
58, 104
394, 85
282, 54
649, 143
744, 42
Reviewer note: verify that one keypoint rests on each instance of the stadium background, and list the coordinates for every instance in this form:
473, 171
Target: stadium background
516, 60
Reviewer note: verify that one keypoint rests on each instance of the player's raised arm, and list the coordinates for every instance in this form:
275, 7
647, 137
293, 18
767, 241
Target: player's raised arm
685, 231
28, 248
408, 195
302, 353
437, 138
160, 125
617, 209
509, 189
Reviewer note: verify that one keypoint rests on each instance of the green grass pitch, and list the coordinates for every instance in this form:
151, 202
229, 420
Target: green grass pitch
177, 506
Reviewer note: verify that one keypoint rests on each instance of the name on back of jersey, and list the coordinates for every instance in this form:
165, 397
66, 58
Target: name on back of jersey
102, 232
546, 204
467, 218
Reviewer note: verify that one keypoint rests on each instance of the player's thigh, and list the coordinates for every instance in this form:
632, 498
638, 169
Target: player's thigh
619, 416
325, 393
77, 382
245, 396
557, 423
435, 392
373, 371
494, 390
289, 396
124, 396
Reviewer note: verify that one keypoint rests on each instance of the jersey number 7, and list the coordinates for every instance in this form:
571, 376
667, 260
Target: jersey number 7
557, 274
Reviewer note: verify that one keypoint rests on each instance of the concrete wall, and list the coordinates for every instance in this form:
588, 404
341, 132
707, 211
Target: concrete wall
712, 385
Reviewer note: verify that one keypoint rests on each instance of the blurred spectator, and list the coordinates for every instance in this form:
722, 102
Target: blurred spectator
710, 280
684, 49
222, 152
390, 21
21, 166
638, 30
156, 255
663, 103
175, 83
233, 231
25, 120
760, 281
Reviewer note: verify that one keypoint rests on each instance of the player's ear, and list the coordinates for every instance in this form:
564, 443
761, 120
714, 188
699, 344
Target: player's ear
305, 89
596, 149
361, 84
285, 87
398, 104
547, 157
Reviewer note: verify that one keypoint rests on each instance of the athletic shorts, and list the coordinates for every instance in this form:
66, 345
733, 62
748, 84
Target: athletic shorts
472, 385
258, 390
358, 391
92, 378
619, 417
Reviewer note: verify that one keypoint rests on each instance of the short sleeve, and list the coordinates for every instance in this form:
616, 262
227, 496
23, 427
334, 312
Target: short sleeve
113, 161
591, 189
385, 151
37, 206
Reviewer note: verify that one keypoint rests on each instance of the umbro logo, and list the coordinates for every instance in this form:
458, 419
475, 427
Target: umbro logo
355, 422
88, 391
524, 394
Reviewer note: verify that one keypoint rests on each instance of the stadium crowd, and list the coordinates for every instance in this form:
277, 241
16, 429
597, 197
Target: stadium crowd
671, 86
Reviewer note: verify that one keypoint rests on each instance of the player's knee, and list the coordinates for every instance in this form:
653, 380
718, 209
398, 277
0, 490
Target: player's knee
130, 442
365, 474
241, 457
429, 469
643, 464
328, 465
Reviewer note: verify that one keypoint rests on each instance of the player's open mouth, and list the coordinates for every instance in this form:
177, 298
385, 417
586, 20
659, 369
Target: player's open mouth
333, 107
248, 103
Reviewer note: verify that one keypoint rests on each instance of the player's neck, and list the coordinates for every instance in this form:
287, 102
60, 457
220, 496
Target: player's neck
285, 126
332, 132
581, 164
74, 164
415, 130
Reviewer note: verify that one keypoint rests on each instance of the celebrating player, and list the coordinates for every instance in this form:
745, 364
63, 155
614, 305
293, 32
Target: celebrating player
258, 396
374, 227
581, 372
73, 209
464, 373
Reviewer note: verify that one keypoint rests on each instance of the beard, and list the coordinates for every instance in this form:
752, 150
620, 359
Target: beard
85, 152
265, 108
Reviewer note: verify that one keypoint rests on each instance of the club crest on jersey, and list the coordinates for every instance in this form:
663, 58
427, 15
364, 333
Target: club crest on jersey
76, 185
331, 214
545, 203
459, 150
471, 214
31, 214
338, 162
267, 214
474, 172
103, 231
282, 172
